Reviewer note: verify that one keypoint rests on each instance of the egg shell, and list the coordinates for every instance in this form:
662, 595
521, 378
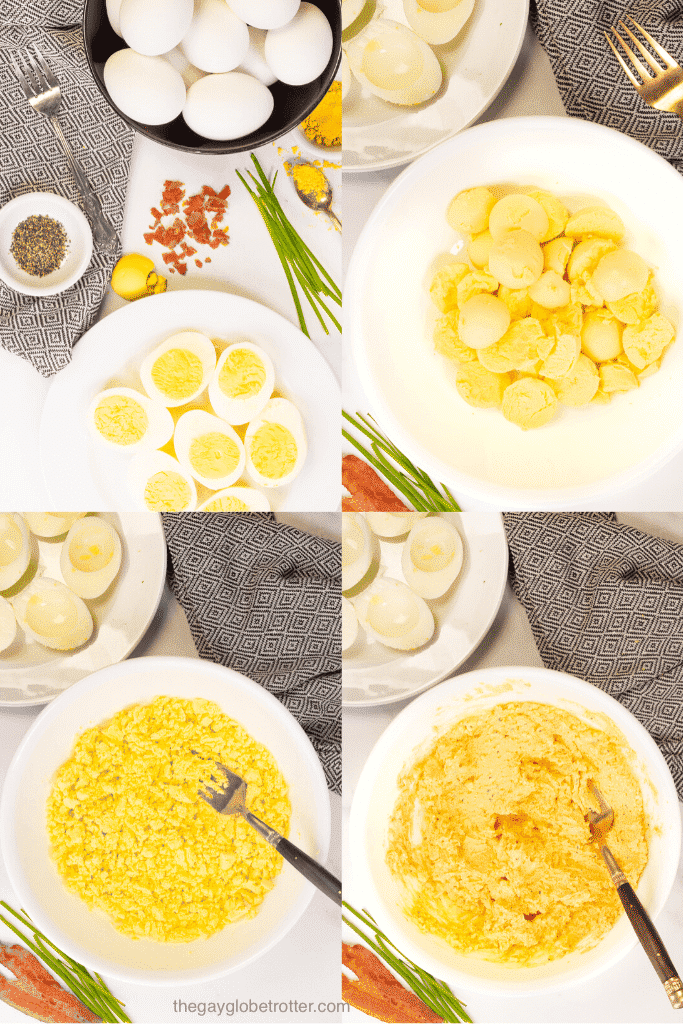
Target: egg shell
230, 407
217, 39
357, 549
228, 106
393, 524
153, 27
51, 524
192, 342
147, 89
8, 624
36, 599
188, 72
255, 63
431, 541
197, 423
300, 50
391, 81
437, 26
394, 615
159, 421
254, 500
90, 541
349, 624
15, 549
113, 8
147, 465
265, 13
284, 413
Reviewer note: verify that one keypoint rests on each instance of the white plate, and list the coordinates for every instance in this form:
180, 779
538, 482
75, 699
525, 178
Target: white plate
377, 791
33, 674
581, 455
375, 674
475, 65
80, 472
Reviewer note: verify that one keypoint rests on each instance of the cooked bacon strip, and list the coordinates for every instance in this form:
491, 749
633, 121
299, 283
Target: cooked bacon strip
35, 992
368, 491
377, 991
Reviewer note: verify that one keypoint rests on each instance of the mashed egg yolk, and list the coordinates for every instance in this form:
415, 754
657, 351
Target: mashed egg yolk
242, 375
167, 492
121, 419
273, 450
227, 505
178, 373
214, 455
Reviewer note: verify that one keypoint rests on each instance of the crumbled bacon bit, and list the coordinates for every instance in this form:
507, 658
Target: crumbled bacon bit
190, 220
198, 263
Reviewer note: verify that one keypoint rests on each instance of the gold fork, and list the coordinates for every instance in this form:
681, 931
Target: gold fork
664, 88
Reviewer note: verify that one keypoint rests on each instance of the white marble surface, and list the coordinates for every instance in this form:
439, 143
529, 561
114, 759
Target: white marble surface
304, 967
630, 991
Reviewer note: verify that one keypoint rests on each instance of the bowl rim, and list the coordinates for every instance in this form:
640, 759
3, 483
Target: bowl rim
495, 495
71, 696
426, 705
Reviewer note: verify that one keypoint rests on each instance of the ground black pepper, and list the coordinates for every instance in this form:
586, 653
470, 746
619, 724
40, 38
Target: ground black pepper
39, 245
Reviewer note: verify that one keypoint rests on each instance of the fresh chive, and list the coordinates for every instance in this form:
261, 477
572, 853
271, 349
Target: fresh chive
413, 483
434, 993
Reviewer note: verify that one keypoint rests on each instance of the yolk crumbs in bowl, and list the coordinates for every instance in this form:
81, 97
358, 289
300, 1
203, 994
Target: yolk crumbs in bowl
178, 373
131, 837
489, 841
121, 419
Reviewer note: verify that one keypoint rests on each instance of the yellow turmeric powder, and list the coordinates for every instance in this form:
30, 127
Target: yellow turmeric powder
324, 125
308, 179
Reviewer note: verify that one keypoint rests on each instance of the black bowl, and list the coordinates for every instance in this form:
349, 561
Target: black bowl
293, 103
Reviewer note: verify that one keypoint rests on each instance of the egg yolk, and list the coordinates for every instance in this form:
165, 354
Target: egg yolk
273, 450
167, 492
10, 540
121, 419
231, 504
242, 375
431, 554
178, 373
91, 549
397, 65
52, 614
214, 455
392, 614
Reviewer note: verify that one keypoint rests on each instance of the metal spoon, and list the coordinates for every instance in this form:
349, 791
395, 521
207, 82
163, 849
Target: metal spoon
310, 199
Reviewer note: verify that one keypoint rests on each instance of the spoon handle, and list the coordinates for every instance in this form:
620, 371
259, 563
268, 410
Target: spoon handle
334, 217
645, 930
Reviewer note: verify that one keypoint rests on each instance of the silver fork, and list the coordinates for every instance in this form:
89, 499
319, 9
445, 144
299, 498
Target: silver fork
663, 89
41, 89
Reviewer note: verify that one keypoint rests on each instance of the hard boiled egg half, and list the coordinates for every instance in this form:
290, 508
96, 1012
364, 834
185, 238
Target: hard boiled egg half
91, 556
391, 613
394, 63
275, 444
51, 524
53, 615
393, 524
357, 549
236, 499
437, 21
431, 557
159, 483
178, 370
15, 549
349, 624
242, 382
209, 449
128, 420
8, 624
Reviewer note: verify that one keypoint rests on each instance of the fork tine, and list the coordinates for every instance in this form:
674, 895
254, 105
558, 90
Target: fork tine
24, 82
51, 80
657, 47
623, 63
43, 84
646, 53
636, 63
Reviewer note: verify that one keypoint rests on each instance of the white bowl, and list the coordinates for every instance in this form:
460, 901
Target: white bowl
88, 936
377, 791
581, 455
79, 250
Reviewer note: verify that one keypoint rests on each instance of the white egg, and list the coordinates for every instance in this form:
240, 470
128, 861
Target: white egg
345, 75
265, 13
147, 89
393, 524
357, 549
236, 499
349, 624
90, 558
178, 370
431, 557
8, 624
227, 106
153, 27
300, 50
217, 40
51, 524
113, 8
242, 382
275, 444
188, 72
159, 483
208, 448
350, 11
129, 421
437, 21
390, 612
394, 63
255, 62
15, 549
49, 612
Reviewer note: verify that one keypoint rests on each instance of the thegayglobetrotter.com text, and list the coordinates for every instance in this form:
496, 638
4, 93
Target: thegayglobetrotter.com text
262, 1007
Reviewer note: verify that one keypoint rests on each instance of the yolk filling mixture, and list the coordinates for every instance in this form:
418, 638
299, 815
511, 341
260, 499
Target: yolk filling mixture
121, 419
178, 373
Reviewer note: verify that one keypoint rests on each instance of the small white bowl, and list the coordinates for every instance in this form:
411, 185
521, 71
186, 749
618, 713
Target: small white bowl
79, 248
377, 791
88, 936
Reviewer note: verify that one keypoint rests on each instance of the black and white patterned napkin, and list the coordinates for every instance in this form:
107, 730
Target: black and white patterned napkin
605, 603
43, 330
264, 599
591, 83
